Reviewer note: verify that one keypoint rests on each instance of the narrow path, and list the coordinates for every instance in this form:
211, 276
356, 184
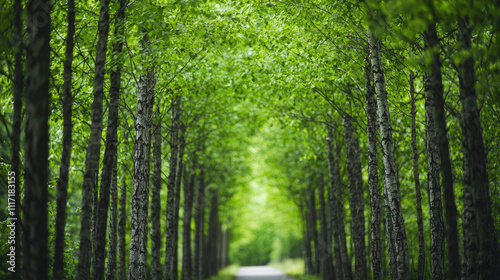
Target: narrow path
260, 273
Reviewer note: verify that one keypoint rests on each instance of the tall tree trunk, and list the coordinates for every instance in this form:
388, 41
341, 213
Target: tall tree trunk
325, 252
346, 262
186, 230
178, 180
333, 206
436, 210
212, 233
306, 238
62, 183
156, 204
418, 195
138, 259
313, 225
356, 198
99, 255
475, 172
169, 244
390, 182
122, 215
16, 131
199, 213
94, 144
36, 141
432, 43
373, 183
113, 224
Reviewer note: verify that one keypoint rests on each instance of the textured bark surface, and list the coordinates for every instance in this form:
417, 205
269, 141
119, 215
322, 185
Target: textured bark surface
199, 218
138, 259
325, 253
99, 255
333, 220
186, 228
373, 182
475, 172
212, 233
113, 224
390, 182
432, 42
177, 200
35, 258
346, 261
436, 208
156, 204
62, 183
169, 245
94, 144
418, 195
16, 125
122, 222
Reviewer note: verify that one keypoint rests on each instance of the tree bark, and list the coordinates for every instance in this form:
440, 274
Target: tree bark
212, 234
432, 43
356, 198
156, 204
110, 151
325, 253
178, 180
199, 213
169, 244
62, 183
475, 172
373, 182
16, 130
35, 247
333, 210
436, 210
113, 224
138, 259
390, 182
306, 237
186, 230
418, 195
94, 144
122, 215
313, 228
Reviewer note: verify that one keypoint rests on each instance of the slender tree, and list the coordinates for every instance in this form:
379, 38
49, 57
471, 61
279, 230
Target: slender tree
156, 204
35, 231
199, 213
122, 220
186, 228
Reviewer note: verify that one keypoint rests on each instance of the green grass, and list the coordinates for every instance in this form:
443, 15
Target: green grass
227, 273
294, 268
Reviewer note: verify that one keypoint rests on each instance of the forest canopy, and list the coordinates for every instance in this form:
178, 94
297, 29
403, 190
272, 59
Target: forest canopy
170, 139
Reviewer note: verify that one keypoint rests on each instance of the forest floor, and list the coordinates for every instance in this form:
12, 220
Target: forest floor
260, 273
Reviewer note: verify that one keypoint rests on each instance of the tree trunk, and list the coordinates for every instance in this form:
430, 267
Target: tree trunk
186, 230
475, 172
122, 213
99, 255
333, 210
199, 213
436, 210
35, 258
356, 198
313, 228
373, 183
306, 237
212, 234
16, 132
62, 183
346, 262
432, 42
169, 245
94, 144
418, 195
156, 204
113, 224
177, 200
138, 264
390, 182
325, 252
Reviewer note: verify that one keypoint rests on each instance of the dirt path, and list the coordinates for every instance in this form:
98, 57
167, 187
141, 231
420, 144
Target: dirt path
260, 273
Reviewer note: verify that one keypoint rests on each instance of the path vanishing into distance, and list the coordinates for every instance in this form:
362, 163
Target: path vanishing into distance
260, 273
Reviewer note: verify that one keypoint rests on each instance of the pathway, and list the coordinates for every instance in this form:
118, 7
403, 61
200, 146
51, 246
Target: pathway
260, 273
